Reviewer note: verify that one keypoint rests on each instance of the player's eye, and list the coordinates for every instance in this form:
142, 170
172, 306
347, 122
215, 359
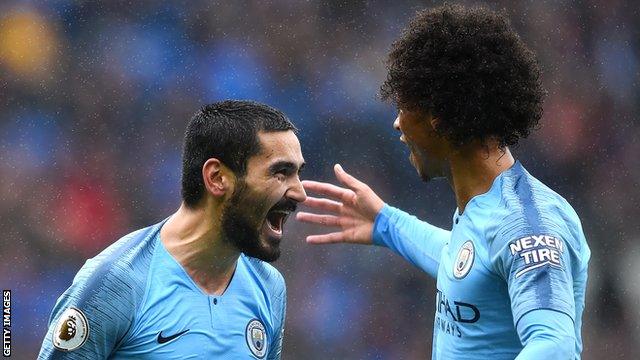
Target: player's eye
281, 175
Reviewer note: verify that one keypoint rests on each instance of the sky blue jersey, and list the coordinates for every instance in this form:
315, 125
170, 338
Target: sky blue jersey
134, 300
511, 274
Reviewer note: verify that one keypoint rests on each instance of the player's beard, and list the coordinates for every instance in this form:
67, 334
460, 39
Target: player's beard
242, 220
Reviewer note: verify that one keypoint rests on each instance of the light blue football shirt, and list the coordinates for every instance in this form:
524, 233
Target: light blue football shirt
515, 249
134, 300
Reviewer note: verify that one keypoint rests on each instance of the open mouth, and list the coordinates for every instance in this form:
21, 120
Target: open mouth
276, 220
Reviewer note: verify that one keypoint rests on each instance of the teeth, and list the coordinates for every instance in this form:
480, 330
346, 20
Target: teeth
279, 217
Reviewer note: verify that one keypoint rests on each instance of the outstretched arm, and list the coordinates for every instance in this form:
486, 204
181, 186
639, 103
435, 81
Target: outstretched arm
417, 241
363, 218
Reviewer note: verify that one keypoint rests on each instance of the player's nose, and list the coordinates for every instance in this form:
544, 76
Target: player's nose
297, 192
396, 123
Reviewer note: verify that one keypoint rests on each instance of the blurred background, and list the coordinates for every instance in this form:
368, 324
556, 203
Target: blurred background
94, 99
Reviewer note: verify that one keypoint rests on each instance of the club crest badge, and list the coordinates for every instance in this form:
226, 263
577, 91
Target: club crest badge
71, 331
464, 260
256, 337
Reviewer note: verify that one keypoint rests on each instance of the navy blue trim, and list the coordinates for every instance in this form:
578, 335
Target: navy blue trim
546, 308
524, 193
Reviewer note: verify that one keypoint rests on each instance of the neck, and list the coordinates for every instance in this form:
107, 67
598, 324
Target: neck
474, 169
194, 238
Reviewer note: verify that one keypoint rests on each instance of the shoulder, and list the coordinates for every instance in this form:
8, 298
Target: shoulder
535, 223
101, 302
529, 207
114, 281
124, 262
267, 276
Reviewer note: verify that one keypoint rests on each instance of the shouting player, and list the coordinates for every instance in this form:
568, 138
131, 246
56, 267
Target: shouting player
196, 285
511, 273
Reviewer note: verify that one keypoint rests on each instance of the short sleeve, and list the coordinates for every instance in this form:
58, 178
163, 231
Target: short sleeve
92, 316
537, 269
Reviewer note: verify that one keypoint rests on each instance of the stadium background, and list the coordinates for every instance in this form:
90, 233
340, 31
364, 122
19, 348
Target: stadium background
94, 99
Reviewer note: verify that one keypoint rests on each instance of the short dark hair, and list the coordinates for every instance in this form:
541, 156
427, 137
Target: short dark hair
470, 69
228, 131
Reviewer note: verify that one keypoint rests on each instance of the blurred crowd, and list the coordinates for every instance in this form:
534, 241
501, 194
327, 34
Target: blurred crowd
95, 96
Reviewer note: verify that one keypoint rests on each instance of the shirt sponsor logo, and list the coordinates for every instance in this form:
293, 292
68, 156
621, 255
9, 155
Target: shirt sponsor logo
71, 331
537, 251
256, 337
450, 314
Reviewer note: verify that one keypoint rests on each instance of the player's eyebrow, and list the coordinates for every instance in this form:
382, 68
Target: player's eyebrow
286, 166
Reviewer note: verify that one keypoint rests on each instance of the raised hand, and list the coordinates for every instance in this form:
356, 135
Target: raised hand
352, 209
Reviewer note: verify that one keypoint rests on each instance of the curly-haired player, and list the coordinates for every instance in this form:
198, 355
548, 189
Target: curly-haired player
511, 273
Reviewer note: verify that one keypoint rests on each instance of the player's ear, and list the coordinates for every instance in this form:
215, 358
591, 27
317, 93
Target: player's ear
216, 177
434, 121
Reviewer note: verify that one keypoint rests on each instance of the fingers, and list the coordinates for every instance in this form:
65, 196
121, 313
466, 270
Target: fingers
346, 179
331, 238
323, 204
327, 189
326, 220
